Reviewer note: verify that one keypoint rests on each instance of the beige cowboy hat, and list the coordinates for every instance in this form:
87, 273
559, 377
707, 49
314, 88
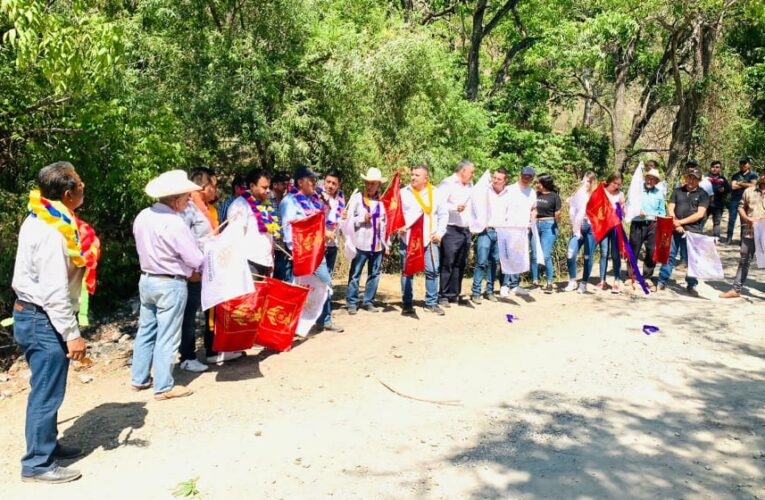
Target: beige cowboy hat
170, 183
653, 173
374, 175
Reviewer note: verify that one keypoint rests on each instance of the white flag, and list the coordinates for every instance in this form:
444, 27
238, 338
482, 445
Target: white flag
706, 185
759, 242
577, 208
349, 234
314, 304
225, 273
478, 205
635, 194
513, 246
538, 252
703, 260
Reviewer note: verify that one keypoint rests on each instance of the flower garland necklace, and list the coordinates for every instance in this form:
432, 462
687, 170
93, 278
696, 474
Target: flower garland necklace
309, 206
334, 215
265, 214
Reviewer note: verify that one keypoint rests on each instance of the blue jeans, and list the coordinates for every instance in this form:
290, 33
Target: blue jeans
548, 233
322, 272
732, 216
330, 253
282, 265
587, 240
373, 260
678, 244
610, 245
159, 331
431, 277
486, 260
45, 352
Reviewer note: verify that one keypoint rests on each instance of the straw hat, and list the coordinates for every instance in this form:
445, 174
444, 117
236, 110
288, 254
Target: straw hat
170, 183
374, 175
653, 173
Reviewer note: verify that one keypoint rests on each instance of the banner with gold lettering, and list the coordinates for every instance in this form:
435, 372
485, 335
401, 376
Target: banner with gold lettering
601, 213
237, 320
394, 212
280, 314
415, 250
664, 228
308, 244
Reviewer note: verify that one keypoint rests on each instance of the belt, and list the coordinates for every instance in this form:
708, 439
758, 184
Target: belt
166, 276
459, 228
29, 305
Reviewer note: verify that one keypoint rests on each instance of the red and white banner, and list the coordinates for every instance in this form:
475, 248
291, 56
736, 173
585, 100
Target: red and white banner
308, 244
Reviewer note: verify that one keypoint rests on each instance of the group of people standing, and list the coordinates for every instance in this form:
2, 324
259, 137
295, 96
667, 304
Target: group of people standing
53, 257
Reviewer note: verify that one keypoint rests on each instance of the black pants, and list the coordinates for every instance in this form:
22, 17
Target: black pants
747, 253
644, 233
455, 246
188, 345
716, 214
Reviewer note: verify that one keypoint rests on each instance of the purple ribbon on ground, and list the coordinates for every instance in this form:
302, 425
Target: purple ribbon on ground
649, 329
631, 256
510, 318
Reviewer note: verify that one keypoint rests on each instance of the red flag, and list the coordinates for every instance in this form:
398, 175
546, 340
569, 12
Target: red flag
664, 228
394, 213
280, 314
236, 320
308, 244
601, 213
415, 249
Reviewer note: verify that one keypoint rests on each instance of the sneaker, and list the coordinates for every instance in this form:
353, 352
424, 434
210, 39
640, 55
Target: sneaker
333, 328
504, 291
491, 297
617, 287
54, 476
519, 290
549, 288
222, 357
601, 285
730, 294
572, 285
371, 308
408, 311
435, 309
352, 310
192, 365
692, 291
582, 288
476, 298
444, 302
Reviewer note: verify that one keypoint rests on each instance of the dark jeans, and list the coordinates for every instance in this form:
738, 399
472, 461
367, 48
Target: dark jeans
609, 245
732, 216
373, 261
282, 265
747, 252
486, 260
455, 246
188, 349
330, 253
679, 244
45, 352
644, 233
716, 214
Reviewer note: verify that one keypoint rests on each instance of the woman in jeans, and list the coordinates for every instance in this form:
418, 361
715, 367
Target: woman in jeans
548, 212
610, 242
582, 237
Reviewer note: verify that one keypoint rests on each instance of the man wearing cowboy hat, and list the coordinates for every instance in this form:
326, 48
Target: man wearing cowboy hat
168, 255
368, 215
643, 227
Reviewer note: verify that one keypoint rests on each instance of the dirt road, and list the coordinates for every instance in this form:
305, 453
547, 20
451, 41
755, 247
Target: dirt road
570, 400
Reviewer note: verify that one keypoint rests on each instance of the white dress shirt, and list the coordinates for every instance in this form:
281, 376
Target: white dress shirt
435, 223
45, 276
498, 207
522, 201
258, 247
364, 232
165, 244
456, 193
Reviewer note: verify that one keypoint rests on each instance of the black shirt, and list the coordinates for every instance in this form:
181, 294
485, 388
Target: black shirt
720, 188
547, 204
736, 194
687, 203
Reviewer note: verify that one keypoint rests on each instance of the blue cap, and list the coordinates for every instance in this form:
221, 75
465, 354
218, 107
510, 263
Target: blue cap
529, 171
301, 172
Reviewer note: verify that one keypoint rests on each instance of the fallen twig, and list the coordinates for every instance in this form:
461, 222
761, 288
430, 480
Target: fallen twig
451, 402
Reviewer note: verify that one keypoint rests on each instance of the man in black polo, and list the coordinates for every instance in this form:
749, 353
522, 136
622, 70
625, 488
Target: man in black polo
720, 190
740, 181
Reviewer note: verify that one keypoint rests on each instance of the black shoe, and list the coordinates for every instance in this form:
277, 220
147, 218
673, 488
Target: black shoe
352, 310
333, 328
55, 475
476, 298
435, 309
371, 308
408, 311
549, 288
63, 452
692, 291
444, 302
491, 297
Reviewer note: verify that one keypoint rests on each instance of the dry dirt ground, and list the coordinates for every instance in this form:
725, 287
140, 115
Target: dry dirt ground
570, 400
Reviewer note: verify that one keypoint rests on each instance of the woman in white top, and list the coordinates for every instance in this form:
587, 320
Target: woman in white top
610, 242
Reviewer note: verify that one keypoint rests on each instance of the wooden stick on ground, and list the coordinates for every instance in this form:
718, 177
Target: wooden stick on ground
451, 402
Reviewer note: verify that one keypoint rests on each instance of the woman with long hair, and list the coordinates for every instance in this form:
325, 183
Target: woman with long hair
582, 237
548, 213
610, 242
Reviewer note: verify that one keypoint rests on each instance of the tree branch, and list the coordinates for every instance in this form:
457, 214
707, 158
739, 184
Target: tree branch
433, 16
513, 51
502, 12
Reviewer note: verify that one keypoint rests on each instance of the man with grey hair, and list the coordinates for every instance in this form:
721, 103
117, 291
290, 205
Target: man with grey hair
455, 244
47, 279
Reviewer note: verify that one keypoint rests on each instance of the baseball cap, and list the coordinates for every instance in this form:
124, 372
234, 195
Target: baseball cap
694, 171
280, 176
528, 171
301, 172
693, 163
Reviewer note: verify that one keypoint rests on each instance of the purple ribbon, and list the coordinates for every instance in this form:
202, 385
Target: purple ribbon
375, 218
631, 256
510, 318
649, 329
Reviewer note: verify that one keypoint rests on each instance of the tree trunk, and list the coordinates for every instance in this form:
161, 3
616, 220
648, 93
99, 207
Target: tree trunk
474, 52
624, 60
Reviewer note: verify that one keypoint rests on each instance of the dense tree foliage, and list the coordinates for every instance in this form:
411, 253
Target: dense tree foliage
127, 88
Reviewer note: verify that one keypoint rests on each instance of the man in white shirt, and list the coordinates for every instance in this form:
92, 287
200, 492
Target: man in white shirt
486, 248
455, 245
369, 221
419, 198
47, 286
521, 211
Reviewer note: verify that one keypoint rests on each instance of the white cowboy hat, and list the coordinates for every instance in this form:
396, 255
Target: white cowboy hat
653, 173
374, 175
170, 183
